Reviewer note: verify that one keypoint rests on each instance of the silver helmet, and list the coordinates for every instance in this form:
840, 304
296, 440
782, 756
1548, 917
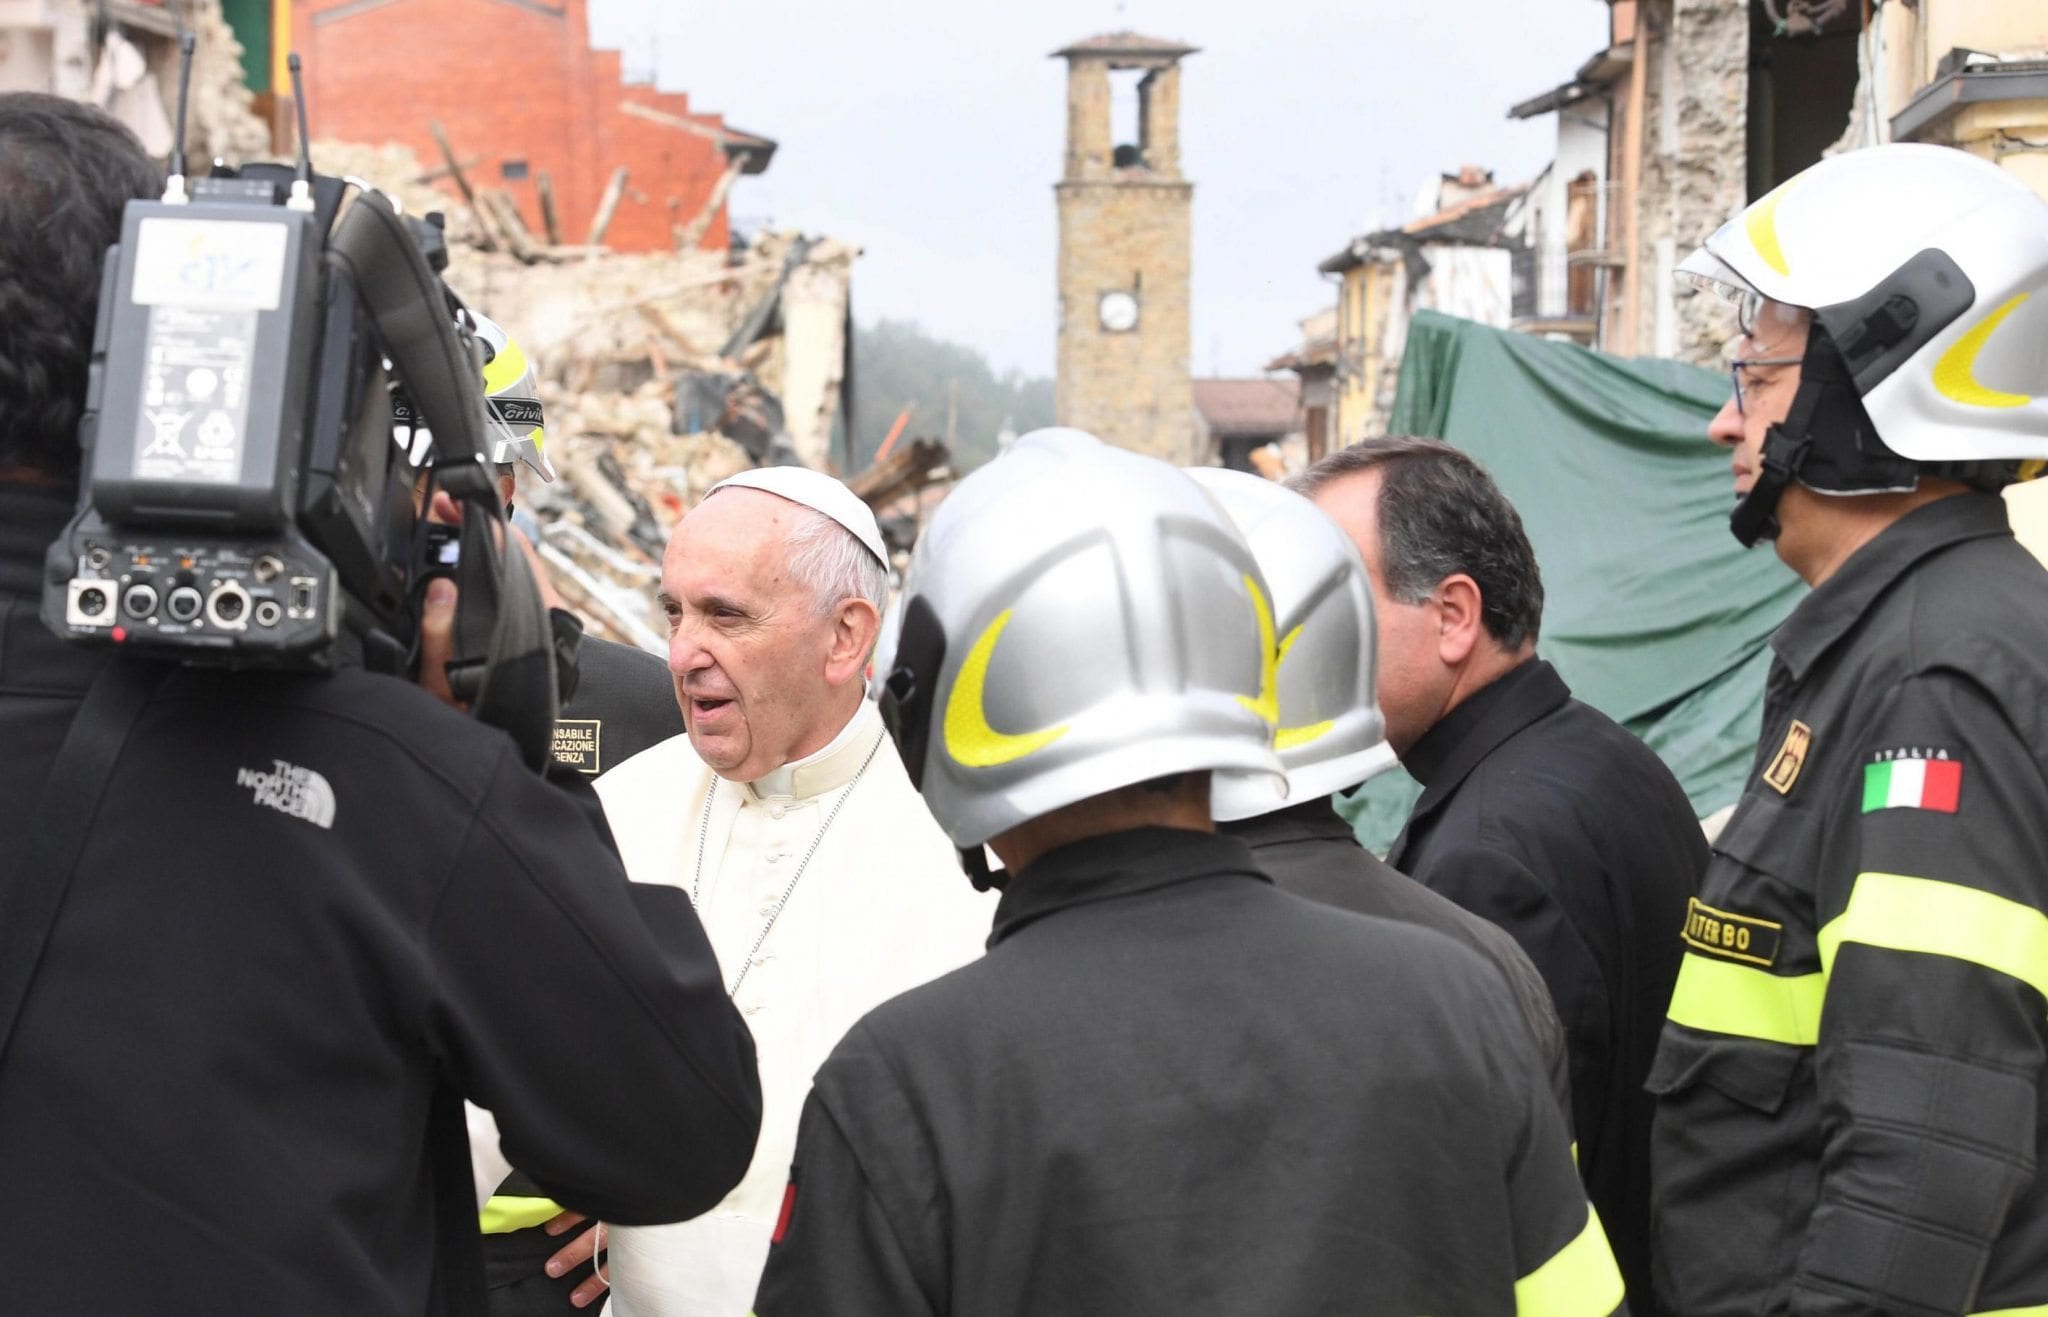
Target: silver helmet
1330, 735
517, 421
1076, 618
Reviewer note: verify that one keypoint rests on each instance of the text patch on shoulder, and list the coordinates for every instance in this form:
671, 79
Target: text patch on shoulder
1730, 936
578, 742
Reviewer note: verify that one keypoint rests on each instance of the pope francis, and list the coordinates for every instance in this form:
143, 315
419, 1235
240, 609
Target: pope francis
824, 884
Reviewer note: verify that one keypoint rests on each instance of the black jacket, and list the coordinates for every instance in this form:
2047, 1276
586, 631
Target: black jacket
1850, 1114
623, 702
1170, 1088
1309, 850
1553, 821
234, 1086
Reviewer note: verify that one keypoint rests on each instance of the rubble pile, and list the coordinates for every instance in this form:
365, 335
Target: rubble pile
661, 373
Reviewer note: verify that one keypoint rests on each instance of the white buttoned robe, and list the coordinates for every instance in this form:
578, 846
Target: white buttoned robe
882, 907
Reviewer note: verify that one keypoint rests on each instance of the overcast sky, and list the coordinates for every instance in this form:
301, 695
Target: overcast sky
930, 132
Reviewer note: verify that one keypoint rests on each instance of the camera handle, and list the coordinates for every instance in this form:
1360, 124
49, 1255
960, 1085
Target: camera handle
500, 620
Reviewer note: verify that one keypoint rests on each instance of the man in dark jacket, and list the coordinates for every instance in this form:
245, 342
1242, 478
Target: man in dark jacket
1332, 738
305, 917
1167, 1087
1850, 1115
1537, 812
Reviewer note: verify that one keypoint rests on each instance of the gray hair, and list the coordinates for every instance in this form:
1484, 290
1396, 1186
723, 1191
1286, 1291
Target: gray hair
1440, 514
833, 564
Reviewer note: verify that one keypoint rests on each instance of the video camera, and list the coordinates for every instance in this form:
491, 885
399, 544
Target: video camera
243, 502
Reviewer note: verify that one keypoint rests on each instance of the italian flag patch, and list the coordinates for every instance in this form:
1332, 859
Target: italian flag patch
1913, 784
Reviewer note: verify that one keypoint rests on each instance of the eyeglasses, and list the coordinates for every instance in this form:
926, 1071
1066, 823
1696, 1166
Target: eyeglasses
1740, 364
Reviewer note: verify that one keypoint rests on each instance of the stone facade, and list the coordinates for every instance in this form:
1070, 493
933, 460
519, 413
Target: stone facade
1125, 228
1695, 118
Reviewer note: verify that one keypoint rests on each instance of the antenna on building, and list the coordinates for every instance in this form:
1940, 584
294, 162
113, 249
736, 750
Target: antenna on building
302, 181
174, 177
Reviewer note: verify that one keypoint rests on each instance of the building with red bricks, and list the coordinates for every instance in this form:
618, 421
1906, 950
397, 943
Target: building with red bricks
520, 95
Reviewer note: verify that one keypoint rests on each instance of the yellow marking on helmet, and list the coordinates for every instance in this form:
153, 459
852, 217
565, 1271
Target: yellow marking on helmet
1955, 375
1266, 703
539, 438
969, 739
504, 370
1290, 738
1293, 738
1762, 226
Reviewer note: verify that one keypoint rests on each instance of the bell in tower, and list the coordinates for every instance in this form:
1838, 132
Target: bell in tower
1124, 238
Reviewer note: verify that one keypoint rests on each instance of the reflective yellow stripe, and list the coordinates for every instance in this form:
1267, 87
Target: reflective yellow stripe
1721, 996
1580, 1278
505, 1213
1903, 913
2038, 1310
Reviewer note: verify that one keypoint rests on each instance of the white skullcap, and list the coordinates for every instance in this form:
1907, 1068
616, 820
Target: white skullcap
819, 492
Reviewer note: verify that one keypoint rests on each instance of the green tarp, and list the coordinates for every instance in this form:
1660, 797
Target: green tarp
1652, 612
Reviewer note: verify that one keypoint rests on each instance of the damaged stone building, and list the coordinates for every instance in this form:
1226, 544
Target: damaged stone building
1697, 107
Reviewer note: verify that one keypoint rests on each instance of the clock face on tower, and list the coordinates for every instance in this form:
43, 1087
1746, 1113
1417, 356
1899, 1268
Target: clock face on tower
1118, 312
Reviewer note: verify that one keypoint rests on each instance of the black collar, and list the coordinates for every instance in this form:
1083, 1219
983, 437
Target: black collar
31, 519
1835, 606
1312, 820
1451, 749
1118, 864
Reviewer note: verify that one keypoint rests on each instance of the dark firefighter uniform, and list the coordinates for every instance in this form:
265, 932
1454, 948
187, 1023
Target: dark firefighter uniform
311, 914
1171, 1088
1849, 1114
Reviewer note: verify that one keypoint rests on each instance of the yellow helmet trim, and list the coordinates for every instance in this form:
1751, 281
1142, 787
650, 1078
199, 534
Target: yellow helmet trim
1292, 738
1955, 375
970, 740
1266, 703
1762, 226
504, 370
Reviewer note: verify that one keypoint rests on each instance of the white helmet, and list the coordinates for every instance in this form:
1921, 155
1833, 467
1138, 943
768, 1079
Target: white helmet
1076, 618
517, 422
1331, 736
1922, 265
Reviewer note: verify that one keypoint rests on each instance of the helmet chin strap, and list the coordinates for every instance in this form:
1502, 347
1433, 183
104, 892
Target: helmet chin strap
975, 862
1756, 513
1826, 442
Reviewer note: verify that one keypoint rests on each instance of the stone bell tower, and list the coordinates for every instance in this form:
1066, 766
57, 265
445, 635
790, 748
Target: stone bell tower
1124, 236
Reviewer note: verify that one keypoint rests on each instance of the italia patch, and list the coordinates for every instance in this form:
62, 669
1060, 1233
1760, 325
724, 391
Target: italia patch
1731, 936
579, 743
1791, 757
1915, 778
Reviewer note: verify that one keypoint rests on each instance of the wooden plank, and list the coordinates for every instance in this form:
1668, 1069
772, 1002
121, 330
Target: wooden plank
607, 207
454, 168
692, 233
544, 187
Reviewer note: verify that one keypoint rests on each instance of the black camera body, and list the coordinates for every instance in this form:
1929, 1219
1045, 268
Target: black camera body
243, 500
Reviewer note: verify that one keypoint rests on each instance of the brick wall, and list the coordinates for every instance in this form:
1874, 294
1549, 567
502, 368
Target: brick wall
511, 81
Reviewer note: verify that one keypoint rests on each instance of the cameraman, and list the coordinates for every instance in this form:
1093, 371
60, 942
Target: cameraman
305, 916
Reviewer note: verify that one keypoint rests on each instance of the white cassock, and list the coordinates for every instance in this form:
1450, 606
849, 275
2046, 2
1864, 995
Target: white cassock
881, 908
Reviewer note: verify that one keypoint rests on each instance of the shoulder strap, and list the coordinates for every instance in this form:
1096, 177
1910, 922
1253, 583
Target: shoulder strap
70, 801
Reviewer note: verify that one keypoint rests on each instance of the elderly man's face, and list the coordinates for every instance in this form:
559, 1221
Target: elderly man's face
747, 646
1766, 379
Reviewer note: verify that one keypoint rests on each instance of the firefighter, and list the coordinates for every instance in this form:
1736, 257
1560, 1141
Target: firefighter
1849, 1112
1168, 1086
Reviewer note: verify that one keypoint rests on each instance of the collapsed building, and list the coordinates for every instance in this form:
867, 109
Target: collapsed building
587, 211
